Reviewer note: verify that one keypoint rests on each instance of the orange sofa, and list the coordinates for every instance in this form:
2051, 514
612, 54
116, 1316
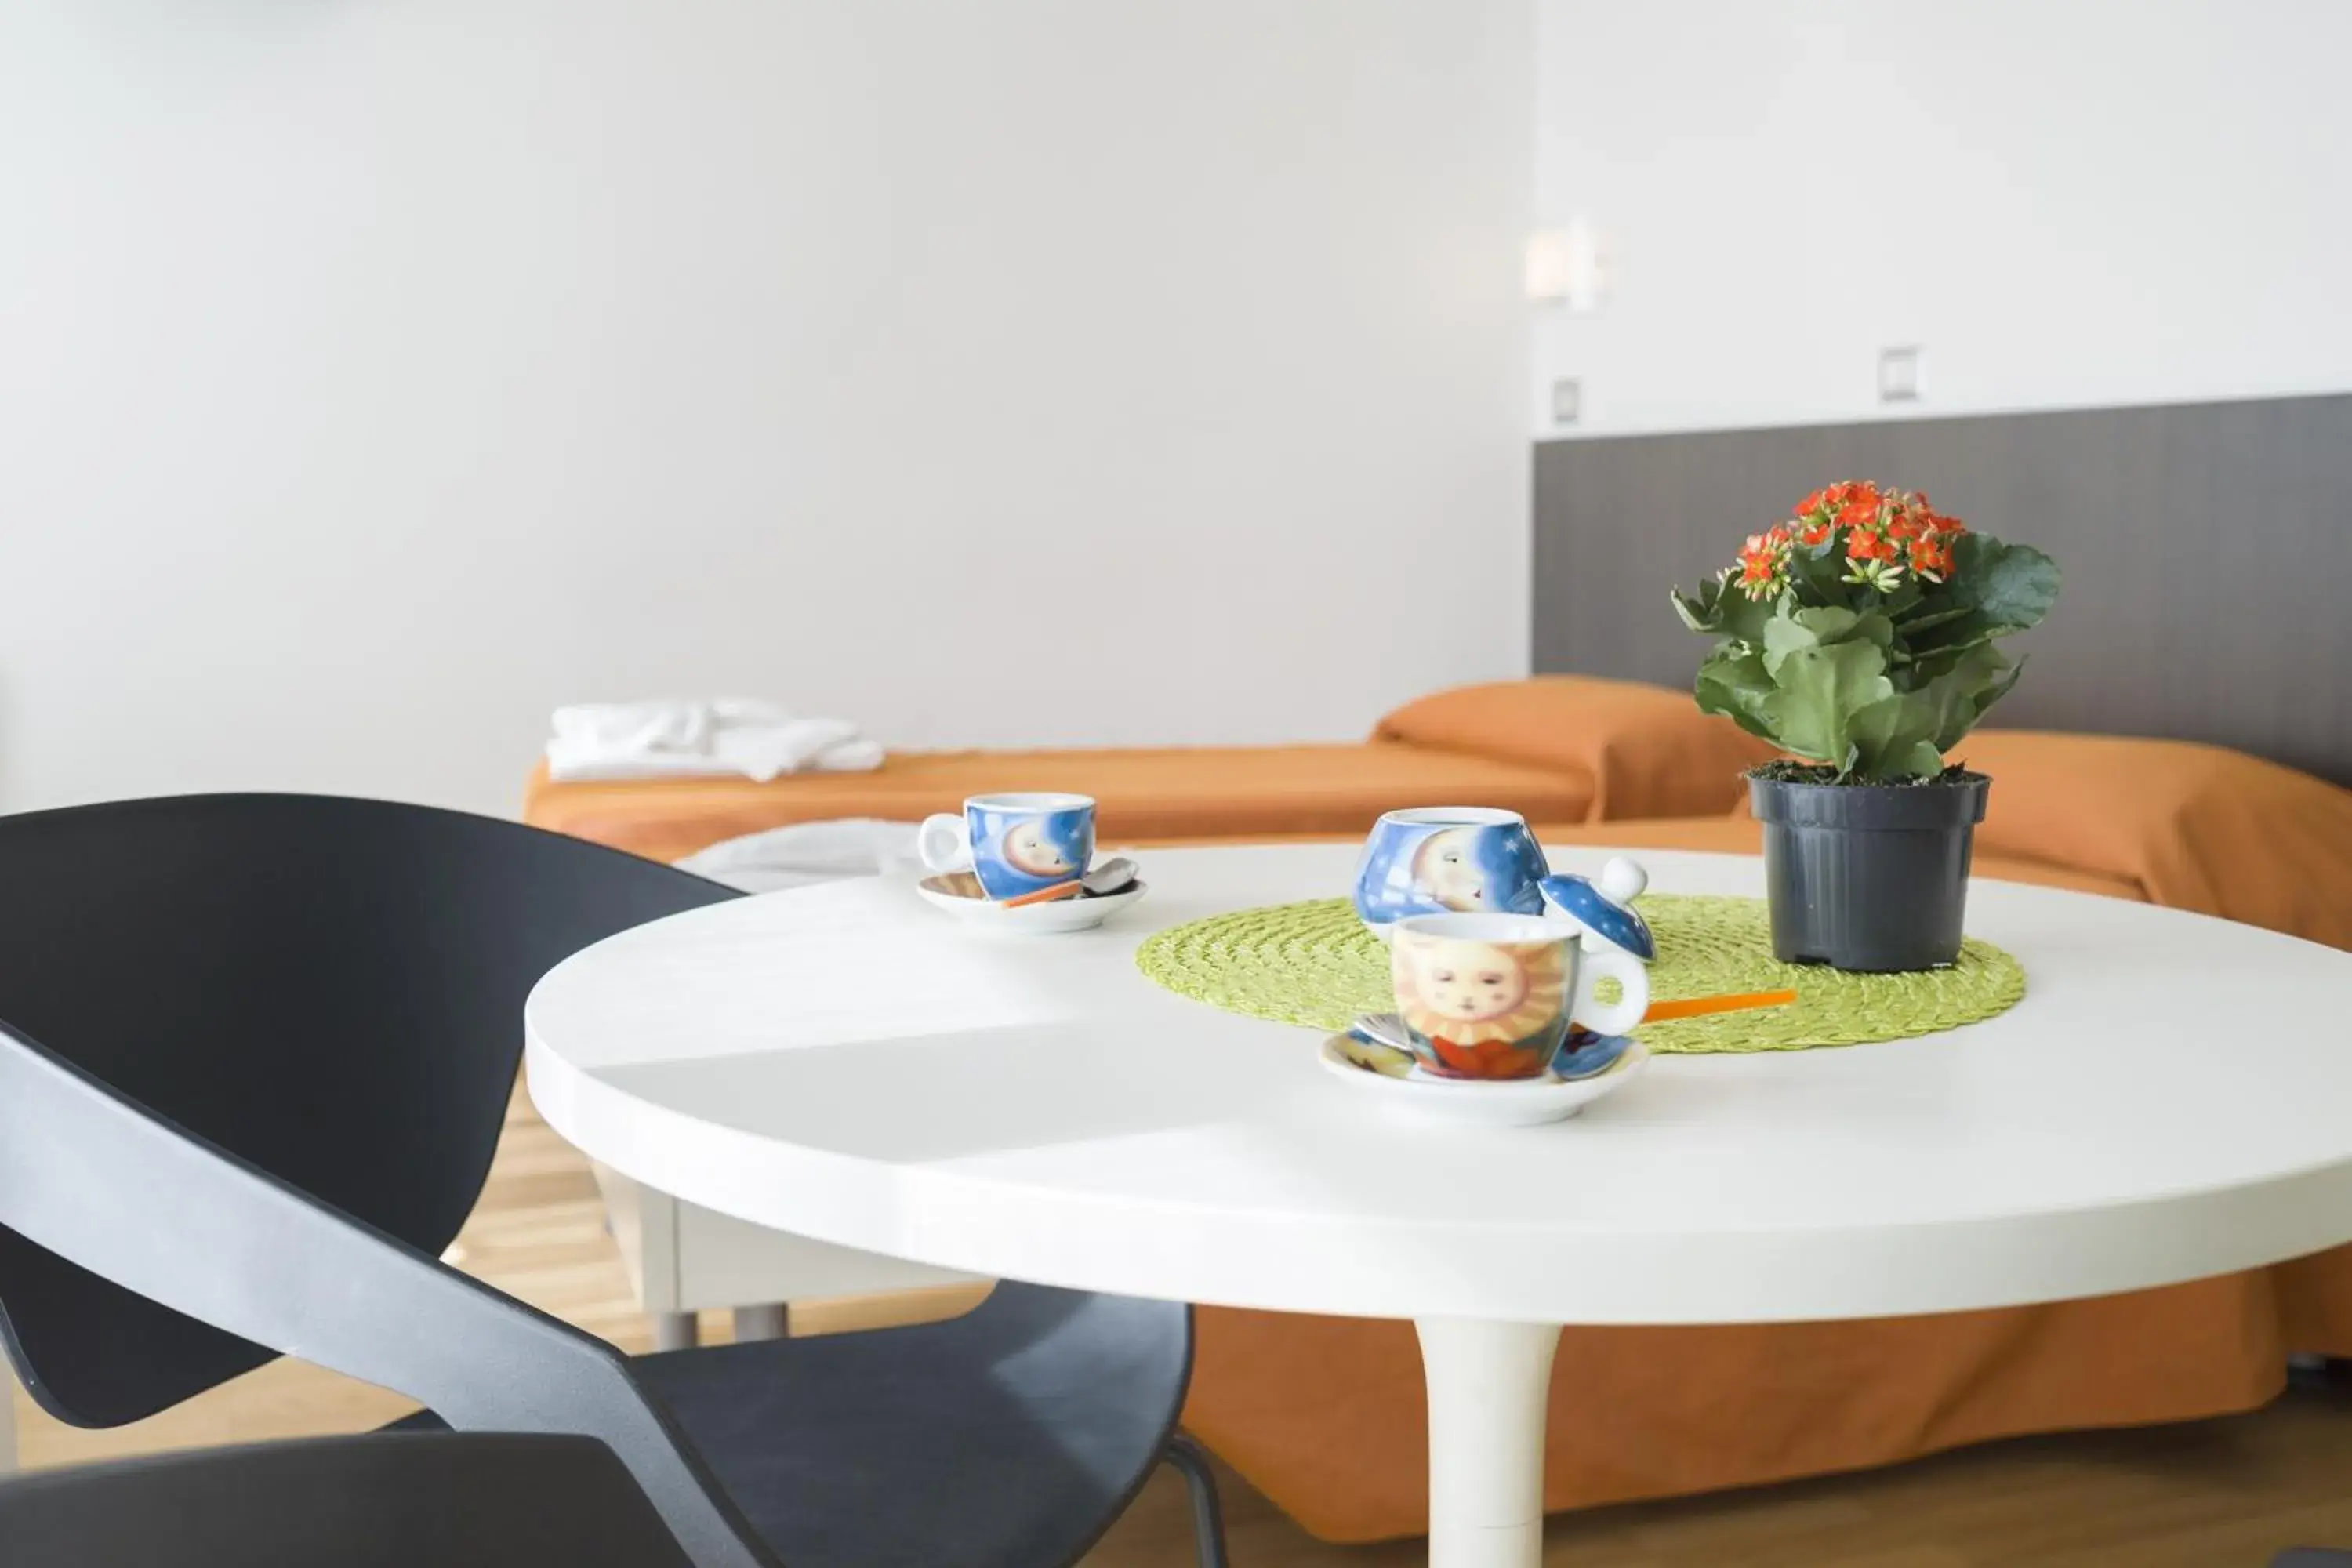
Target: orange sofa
1325, 1415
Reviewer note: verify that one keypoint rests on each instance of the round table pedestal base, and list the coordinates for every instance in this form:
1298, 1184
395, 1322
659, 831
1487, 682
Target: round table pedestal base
1489, 1386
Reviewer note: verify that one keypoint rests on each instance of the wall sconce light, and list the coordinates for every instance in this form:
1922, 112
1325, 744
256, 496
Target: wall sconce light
1565, 267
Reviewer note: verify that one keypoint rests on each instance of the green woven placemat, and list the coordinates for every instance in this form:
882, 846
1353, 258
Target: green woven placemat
1313, 964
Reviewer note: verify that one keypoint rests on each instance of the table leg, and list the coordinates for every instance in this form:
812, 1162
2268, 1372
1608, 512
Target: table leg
1489, 1385
772, 1323
8, 1418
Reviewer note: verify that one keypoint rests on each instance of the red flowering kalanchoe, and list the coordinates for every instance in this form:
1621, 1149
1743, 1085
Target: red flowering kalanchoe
1880, 534
1859, 633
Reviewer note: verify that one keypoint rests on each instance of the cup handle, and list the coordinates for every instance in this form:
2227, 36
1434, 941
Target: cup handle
944, 841
1616, 1017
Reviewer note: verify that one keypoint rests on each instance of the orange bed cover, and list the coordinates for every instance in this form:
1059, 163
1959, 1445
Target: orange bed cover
1173, 793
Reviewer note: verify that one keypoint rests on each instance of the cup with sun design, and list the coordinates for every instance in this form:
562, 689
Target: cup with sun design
1013, 844
1493, 996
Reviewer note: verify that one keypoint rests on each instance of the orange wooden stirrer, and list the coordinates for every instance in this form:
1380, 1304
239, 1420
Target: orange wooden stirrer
1698, 1006
1047, 895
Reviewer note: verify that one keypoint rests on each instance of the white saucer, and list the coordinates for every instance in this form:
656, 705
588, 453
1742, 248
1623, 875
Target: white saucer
1384, 1073
1053, 918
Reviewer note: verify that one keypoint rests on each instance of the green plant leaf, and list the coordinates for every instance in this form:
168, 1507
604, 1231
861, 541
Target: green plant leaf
1802, 628
1816, 574
1829, 623
1785, 635
1906, 736
1702, 611
1834, 623
1732, 682
1817, 691
1889, 734
1937, 659
1744, 618
1990, 695
1952, 696
1720, 609
1694, 612
1924, 762
1950, 632
1919, 623
2013, 584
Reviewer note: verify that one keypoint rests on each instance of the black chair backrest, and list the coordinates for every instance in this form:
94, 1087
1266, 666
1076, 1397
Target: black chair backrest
437, 1499
128, 1200
330, 989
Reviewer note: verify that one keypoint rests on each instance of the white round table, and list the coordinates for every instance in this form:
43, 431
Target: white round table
841, 1062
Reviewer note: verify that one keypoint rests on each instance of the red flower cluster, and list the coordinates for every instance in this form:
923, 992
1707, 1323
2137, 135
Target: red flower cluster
1884, 532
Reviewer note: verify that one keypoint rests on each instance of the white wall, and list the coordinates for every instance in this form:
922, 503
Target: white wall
2063, 202
375, 374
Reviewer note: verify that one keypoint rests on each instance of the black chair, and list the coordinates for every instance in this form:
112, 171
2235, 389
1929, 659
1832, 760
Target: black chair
256, 1056
471, 1500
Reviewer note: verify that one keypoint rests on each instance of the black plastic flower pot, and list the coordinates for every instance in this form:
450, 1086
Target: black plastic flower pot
1871, 878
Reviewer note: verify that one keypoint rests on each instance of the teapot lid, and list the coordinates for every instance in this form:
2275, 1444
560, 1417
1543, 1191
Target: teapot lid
1603, 905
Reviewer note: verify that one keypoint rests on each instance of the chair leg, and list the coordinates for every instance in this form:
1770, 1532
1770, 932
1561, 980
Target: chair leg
1186, 1458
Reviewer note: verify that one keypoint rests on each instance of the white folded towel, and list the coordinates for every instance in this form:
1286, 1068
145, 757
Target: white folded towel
803, 852
700, 738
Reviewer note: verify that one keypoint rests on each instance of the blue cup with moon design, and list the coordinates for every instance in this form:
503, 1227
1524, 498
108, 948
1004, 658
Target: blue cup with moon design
1015, 844
1449, 859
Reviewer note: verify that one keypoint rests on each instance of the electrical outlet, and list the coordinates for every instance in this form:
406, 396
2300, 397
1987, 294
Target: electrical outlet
1566, 401
1898, 374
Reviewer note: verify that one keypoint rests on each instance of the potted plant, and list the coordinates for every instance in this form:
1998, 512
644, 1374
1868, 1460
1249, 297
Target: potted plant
1862, 637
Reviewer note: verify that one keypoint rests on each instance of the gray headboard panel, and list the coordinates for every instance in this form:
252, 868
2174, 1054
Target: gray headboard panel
2207, 548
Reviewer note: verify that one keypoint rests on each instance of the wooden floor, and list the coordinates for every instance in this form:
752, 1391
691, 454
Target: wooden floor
2206, 1496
